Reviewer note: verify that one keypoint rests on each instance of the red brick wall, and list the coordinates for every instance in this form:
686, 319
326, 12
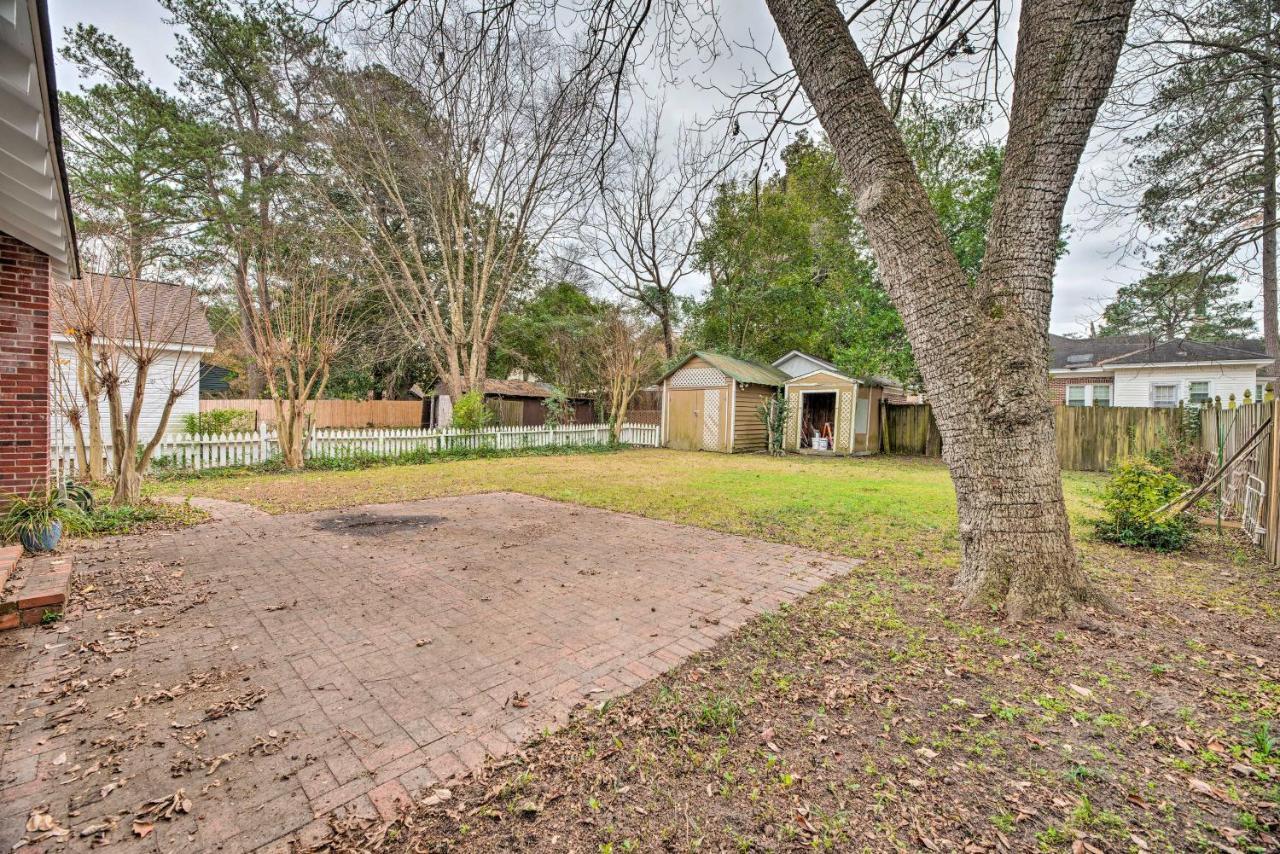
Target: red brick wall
1058, 385
24, 367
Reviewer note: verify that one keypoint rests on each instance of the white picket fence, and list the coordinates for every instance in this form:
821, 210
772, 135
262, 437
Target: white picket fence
195, 452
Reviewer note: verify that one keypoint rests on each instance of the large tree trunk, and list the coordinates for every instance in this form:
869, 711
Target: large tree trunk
668, 333
290, 432
128, 485
1270, 328
981, 346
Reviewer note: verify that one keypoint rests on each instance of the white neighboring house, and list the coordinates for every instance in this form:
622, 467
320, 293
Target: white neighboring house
173, 319
1132, 370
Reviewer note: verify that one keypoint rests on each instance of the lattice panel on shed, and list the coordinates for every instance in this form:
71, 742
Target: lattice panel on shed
696, 378
844, 422
792, 437
711, 419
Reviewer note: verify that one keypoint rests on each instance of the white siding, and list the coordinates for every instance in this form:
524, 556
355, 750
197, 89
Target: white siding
170, 368
1133, 385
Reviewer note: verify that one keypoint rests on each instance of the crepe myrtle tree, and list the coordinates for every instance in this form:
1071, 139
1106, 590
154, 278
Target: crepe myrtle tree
298, 339
626, 354
133, 337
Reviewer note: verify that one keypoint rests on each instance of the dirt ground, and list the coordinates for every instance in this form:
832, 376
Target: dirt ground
231, 686
876, 715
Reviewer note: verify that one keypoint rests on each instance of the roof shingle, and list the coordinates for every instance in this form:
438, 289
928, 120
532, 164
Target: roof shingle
167, 313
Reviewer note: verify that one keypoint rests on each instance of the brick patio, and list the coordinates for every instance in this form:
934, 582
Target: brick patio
383, 647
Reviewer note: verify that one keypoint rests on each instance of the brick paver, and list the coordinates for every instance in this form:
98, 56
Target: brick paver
352, 659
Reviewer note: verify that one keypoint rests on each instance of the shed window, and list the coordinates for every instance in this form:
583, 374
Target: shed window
1198, 391
1075, 395
1164, 395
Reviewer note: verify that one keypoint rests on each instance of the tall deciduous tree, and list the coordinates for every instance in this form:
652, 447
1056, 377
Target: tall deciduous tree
452, 164
1166, 306
981, 343
641, 236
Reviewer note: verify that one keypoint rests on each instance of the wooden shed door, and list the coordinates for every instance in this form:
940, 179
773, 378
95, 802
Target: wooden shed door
684, 419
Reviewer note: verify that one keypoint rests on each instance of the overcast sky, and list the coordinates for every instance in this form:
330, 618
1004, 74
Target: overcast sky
1093, 268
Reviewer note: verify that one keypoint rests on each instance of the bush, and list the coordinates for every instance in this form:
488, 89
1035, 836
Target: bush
559, 409
1136, 490
218, 421
470, 413
32, 515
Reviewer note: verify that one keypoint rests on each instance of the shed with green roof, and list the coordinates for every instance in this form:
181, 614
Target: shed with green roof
710, 402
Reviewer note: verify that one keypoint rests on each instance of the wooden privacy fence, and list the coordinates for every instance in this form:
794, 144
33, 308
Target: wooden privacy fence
195, 452
333, 413
909, 428
1089, 438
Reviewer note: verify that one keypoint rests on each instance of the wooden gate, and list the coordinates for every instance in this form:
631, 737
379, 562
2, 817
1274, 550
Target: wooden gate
684, 419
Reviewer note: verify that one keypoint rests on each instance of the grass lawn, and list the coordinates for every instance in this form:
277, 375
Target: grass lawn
852, 506
876, 714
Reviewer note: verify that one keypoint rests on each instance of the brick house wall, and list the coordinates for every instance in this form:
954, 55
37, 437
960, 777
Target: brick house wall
24, 367
1058, 385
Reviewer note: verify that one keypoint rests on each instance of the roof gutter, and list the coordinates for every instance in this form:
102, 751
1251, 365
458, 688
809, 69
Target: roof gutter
39, 9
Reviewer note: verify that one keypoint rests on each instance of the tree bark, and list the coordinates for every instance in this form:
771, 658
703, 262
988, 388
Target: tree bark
982, 347
668, 334
291, 432
1270, 327
91, 391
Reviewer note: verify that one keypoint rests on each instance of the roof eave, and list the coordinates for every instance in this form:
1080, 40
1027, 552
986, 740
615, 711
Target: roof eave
1196, 364
36, 204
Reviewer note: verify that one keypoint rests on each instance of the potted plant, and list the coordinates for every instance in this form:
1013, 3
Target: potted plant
37, 520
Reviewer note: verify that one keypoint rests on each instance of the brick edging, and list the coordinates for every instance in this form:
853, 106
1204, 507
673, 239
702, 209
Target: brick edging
43, 590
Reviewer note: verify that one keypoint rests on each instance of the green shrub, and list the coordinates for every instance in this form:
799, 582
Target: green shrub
559, 408
1136, 490
35, 514
218, 421
470, 413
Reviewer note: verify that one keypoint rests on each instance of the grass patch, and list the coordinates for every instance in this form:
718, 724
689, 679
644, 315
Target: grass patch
105, 520
850, 506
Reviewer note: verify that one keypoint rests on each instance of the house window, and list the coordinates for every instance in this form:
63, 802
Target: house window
1164, 395
1101, 395
1260, 393
1076, 395
1198, 391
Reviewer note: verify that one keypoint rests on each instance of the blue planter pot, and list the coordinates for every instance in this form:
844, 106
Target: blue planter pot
44, 541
